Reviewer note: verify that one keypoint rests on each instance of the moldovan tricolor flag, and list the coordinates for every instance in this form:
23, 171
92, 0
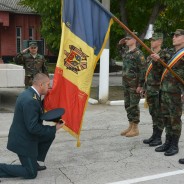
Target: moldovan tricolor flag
85, 30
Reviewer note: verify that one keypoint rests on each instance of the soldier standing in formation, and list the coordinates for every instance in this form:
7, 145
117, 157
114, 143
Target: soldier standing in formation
181, 161
133, 72
152, 85
32, 61
170, 92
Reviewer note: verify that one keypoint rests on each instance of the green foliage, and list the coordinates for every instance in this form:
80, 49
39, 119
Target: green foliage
51, 67
116, 31
170, 19
138, 15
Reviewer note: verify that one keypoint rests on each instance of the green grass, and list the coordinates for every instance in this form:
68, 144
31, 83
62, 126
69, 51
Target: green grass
51, 67
115, 93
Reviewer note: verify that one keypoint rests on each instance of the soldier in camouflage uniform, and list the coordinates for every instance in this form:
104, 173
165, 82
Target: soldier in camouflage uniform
32, 61
133, 72
152, 85
171, 90
181, 161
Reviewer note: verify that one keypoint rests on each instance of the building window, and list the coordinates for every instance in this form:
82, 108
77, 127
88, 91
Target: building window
18, 39
31, 33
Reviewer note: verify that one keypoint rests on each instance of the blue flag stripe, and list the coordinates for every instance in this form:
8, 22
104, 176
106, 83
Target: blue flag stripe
87, 20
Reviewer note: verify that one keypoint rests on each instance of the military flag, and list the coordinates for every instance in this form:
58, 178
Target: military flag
85, 30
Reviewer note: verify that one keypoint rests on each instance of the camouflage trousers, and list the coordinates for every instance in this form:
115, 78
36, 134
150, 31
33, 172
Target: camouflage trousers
155, 109
132, 99
171, 108
28, 81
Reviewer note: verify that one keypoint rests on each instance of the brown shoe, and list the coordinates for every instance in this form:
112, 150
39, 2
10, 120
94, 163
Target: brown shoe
134, 131
123, 133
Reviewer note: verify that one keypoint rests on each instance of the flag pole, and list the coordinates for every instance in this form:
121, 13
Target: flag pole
138, 40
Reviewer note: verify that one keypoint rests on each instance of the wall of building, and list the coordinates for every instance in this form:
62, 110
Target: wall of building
8, 23
4, 18
8, 33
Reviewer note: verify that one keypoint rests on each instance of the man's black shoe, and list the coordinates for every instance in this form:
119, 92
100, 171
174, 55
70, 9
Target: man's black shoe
41, 168
181, 160
147, 141
164, 147
172, 151
155, 142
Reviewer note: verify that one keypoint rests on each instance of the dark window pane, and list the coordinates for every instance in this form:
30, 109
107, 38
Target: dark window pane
18, 45
30, 32
18, 31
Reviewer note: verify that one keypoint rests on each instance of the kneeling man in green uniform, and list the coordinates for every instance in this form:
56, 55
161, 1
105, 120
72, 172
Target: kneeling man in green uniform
28, 137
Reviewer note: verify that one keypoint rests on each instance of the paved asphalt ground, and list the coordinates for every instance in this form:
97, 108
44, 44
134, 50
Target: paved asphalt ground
104, 157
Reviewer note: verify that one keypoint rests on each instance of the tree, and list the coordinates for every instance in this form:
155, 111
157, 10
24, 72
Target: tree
165, 15
136, 14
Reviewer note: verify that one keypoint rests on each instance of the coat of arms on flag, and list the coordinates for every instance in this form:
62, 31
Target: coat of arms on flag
75, 60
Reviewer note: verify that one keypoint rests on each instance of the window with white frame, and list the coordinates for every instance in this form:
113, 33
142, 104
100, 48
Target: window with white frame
31, 33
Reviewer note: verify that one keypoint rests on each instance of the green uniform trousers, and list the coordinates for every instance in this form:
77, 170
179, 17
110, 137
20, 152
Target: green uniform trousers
155, 109
132, 99
28, 167
171, 108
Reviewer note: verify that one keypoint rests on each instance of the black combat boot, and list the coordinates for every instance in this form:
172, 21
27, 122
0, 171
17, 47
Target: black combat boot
181, 161
157, 139
149, 140
174, 146
165, 146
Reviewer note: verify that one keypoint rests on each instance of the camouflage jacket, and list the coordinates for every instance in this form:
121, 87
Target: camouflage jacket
169, 83
31, 65
153, 77
133, 68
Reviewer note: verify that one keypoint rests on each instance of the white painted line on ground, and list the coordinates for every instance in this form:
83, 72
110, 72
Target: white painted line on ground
147, 178
121, 102
116, 102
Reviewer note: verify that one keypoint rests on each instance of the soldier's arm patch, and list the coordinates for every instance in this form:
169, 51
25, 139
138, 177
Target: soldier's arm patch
142, 59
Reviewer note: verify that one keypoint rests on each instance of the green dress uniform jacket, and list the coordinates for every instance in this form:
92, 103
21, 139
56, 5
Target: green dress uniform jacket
28, 137
27, 128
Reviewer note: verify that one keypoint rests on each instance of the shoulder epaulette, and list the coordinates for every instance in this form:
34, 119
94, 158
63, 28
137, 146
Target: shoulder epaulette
35, 97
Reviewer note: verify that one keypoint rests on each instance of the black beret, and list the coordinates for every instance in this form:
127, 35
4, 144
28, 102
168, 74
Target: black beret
53, 115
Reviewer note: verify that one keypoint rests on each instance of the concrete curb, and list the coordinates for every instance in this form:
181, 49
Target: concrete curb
117, 102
